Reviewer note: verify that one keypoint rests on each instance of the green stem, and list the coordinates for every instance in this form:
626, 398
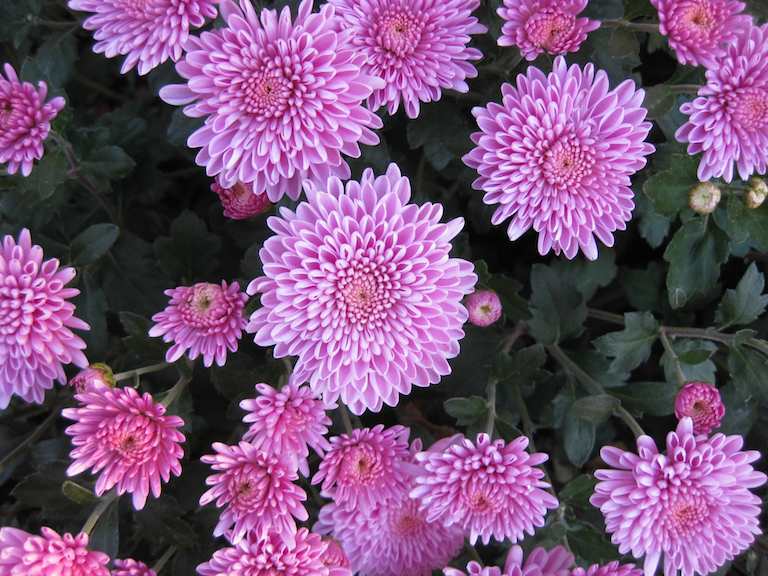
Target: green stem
473, 553
629, 420
681, 379
141, 371
491, 423
609, 317
650, 27
32, 438
163, 560
173, 394
98, 512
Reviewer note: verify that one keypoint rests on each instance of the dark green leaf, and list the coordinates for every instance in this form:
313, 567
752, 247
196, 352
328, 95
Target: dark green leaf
109, 162
159, 522
630, 347
653, 398
653, 226
53, 63
92, 243
579, 438
78, 494
587, 276
694, 356
578, 491
190, 253
669, 189
467, 411
643, 288
48, 174
748, 370
595, 409
746, 303
591, 544
558, 310
740, 410
106, 533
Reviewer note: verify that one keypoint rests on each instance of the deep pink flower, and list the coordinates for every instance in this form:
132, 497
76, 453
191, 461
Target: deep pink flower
146, 32
240, 202
287, 421
484, 307
282, 100
256, 491
700, 30
728, 122
335, 558
539, 26
97, 375
127, 439
610, 569
419, 47
202, 320
691, 505
359, 285
540, 562
490, 489
132, 568
701, 402
36, 321
50, 554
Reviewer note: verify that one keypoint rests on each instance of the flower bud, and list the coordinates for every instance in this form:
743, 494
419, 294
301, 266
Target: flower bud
701, 402
704, 198
484, 307
97, 375
240, 202
756, 193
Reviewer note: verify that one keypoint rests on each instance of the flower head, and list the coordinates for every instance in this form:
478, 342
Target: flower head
419, 47
97, 375
50, 554
539, 26
36, 321
240, 202
360, 286
540, 562
699, 30
202, 320
146, 32
701, 402
335, 558
704, 198
757, 192
558, 153
728, 122
282, 100
610, 569
127, 439
691, 505
256, 491
484, 307
490, 489
132, 568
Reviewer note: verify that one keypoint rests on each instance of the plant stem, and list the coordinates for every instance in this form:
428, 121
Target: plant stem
98, 512
651, 27
681, 379
684, 88
173, 394
163, 560
629, 420
345, 418
609, 317
473, 553
141, 371
491, 423
32, 438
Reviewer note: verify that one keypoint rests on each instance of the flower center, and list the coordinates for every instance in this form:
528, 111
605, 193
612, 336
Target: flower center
131, 440
266, 93
700, 17
687, 515
478, 501
407, 525
363, 292
547, 28
750, 108
204, 306
245, 488
6, 109
399, 31
567, 163
360, 465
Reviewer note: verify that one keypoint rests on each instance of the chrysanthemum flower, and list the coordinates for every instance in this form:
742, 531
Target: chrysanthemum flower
610, 569
335, 558
36, 321
539, 26
540, 562
97, 375
691, 506
240, 202
256, 491
484, 307
127, 439
701, 402
287, 421
146, 32
50, 554
419, 47
557, 155
132, 568
490, 489
699, 30
728, 122
202, 320
360, 286
282, 100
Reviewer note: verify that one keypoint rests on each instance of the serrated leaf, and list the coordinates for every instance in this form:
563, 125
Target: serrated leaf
587, 276
578, 438
644, 288
595, 409
578, 491
92, 243
750, 223
520, 365
190, 252
740, 410
467, 411
442, 129
591, 544
558, 310
653, 227
108, 162
694, 356
47, 175
749, 370
669, 189
746, 303
632, 346
652, 398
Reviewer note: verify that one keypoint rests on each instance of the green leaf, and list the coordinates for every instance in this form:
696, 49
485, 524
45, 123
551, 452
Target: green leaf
591, 544
669, 189
92, 308
106, 533
78, 494
558, 310
16, 20
632, 346
746, 303
605, 9
108, 162
653, 226
579, 438
643, 288
587, 276
514, 306
751, 223
181, 127
658, 101
578, 491
53, 62
442, 129
47, 175
740, 410
92, 243
190, 253
694, 356
467, 411
520, 365
159, 522
595, 409
652, 398
748, 370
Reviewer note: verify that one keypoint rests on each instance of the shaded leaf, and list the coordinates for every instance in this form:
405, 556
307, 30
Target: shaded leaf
467, 411
595, 409
748, 369
746, 303
578, 437
558, 309
92, 243
694, 356
653, 398
632, 346
190, 252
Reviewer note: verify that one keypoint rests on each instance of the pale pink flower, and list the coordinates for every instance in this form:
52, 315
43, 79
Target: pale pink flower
240, 202
50, 554
282, 100
146, 32
540, 562
202, 320
132, 568
127, 439
610, 569
691, 506
701, 402
97, 375
484, 307
36, 321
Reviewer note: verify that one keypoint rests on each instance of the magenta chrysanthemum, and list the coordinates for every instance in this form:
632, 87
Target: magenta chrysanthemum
360, 286
692, 505
728, 122
202, 320
95, 376
699, 30
490, 489
610, 569
335, 558
50, 554
25, 121
282, 100
419, 47
557, 155
484, 307
146, 32
132, 568
36, 321
539, 26
127, 439
256, 491
240, 202
540, 562
701, 402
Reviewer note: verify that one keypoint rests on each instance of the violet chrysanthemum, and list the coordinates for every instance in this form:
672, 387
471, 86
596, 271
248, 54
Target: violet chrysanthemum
49, 554
360, 286
484, 307
288, 421
728, 122
540, 562
282, 100
240, 202
699, 30
702, 403
202, 320
132, 568
691, 506
147, 32
419, 47
256, 491
490, 489
36, 321
539, 26
557, 155
610, 569
127, 439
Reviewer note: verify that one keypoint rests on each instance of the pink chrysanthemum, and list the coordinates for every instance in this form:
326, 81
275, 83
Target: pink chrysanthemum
557, 155
539, 26
95, 376
36, 321
728, 122
240, 202
287, 421
146, 32
50, 554
360, 286
610, 569
127, 439
25, 121
365, 468
202, 320
484, 307
282, 100
701, 402
132, 568
540, 562
490, 489
335, 558
419, 47
692, 506
699, 30
256, 491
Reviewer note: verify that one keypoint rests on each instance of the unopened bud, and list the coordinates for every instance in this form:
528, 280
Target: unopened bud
484, 307
704, 198
756, 193
95, 376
